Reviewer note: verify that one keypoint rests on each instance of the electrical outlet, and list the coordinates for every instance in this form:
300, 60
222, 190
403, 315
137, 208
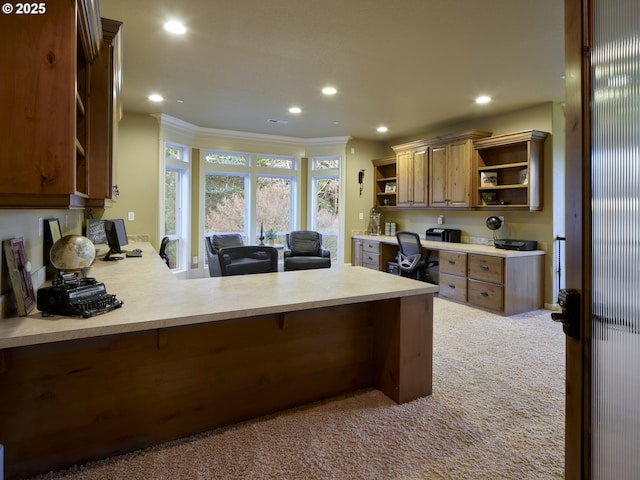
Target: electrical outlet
361, 216
132, 216
440, 219
39, 226
194, 261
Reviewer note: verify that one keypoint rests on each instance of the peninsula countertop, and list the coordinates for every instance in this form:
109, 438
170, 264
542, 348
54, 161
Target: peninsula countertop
154, 298
456, 247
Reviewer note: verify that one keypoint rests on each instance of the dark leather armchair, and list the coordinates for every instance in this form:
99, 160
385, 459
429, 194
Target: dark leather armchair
163, 251
248, 259
305, 251
413, 262
214, 243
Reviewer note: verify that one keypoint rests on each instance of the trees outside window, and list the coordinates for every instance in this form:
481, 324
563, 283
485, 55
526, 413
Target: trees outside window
244, 191
325, 215
175, 221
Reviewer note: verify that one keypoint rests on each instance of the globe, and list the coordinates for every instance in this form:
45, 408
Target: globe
493, 223
72, 252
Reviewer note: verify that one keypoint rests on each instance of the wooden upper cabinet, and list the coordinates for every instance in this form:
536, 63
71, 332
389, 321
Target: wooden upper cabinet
411, 167
451, 169
105, 103
46, 115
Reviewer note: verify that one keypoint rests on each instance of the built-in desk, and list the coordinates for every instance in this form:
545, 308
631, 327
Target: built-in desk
184, 356
503, 281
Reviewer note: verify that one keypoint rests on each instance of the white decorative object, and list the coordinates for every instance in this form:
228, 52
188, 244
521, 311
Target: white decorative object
488, 179
524, 176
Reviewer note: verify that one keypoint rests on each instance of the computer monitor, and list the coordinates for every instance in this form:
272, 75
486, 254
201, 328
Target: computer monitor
116, 237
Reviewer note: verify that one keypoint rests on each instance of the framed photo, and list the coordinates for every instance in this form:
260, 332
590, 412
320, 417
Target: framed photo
488, 179
390, 187
19, 271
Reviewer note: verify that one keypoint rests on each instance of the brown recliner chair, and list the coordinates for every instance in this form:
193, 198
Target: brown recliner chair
305, 251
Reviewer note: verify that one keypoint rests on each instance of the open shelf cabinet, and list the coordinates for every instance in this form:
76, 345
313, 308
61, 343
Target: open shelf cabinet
515, 164
385, 178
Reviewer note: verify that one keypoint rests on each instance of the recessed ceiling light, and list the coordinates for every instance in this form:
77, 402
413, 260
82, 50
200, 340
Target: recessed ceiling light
179, 100
483, 99
155, 97
329, 91
176, 27
382, 129
295, 110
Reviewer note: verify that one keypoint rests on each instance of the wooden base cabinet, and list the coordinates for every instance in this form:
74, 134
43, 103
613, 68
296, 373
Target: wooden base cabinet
453, 276
371, 254
506, 285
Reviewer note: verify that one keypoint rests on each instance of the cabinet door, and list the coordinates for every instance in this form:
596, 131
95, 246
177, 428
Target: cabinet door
104, 103
356, 253
405, 179
419, 184
459, 174
438, 177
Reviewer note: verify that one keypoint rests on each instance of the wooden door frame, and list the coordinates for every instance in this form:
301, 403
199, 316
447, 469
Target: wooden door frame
578, 14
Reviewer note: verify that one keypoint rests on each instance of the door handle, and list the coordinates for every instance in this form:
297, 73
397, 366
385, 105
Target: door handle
569, 302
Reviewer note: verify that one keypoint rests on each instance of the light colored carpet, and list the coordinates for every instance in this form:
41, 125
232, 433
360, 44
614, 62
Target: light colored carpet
497, 412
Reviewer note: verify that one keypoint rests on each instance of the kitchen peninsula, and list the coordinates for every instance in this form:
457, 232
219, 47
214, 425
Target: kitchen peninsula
184, 356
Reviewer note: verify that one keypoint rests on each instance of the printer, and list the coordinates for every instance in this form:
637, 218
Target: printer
442, 235
510, 244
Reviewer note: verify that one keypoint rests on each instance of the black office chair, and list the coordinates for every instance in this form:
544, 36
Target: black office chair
248, 259
163, 250
413, 262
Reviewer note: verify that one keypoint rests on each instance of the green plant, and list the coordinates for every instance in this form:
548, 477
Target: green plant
270, 234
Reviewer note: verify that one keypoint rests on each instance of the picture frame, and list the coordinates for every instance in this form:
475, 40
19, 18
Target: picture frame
488, 179
390, 187
19, 272
95, 231
52, 233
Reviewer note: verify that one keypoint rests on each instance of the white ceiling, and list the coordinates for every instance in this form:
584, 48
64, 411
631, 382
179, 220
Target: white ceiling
412, 65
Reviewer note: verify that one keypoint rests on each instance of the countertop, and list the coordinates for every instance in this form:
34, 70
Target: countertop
456, 247
154, 298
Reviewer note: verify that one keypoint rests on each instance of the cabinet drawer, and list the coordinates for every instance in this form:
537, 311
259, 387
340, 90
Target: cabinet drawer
454, 263
371, 260
453, 287
486, 295
370, 247
486, 268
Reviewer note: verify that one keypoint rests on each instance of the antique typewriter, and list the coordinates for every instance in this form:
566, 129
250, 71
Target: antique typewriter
73, 296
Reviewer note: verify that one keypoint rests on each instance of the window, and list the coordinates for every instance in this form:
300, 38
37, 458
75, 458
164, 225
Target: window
175, 221
225, 204
325, 201
274, 205
244, 191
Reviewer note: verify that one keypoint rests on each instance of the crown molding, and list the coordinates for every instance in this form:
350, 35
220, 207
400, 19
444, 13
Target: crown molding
173, 124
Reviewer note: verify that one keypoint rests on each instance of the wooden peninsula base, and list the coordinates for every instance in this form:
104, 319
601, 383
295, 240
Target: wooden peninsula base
71, 401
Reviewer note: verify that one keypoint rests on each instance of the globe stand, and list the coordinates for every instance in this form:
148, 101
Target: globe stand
493, 223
